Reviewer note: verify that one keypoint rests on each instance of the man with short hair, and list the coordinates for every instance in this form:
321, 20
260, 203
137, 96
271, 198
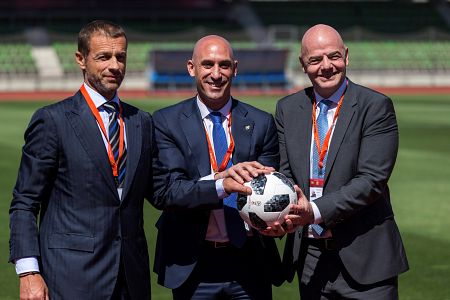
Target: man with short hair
339, 142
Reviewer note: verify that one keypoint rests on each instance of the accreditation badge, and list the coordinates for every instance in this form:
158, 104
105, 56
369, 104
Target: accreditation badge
315, 188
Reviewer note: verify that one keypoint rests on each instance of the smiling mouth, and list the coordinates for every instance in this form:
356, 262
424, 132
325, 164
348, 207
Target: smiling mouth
217, 85
327, 76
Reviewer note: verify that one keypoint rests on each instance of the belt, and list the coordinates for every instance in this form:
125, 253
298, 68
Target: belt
217, 245
323, 244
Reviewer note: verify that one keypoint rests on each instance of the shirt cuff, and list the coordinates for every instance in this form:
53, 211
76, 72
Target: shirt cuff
219, 185
220, 190
28, 264
317, 215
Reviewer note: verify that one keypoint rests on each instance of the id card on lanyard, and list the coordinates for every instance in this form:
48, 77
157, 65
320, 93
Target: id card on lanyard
315, 188
316, 184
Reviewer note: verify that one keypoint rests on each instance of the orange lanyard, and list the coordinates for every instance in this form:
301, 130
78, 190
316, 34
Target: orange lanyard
226, 159
323, 150
114, 164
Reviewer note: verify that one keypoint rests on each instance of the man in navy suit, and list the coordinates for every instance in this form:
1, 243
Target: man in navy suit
196, 254
87, 164
338, 142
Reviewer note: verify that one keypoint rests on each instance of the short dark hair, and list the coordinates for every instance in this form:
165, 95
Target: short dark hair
107, 28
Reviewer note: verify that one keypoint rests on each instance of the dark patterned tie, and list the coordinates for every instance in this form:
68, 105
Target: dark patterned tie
234, 224
114, 138
322, 128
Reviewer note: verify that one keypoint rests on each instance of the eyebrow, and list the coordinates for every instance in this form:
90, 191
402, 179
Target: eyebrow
328, 54
210, 61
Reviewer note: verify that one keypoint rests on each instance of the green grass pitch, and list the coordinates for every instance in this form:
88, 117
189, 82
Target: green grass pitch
420, 188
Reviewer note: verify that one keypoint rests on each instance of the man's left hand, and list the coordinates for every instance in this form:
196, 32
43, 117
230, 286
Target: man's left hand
300, 214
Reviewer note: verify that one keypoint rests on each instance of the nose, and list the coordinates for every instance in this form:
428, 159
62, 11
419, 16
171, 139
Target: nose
215, 72
326, 63
113, 63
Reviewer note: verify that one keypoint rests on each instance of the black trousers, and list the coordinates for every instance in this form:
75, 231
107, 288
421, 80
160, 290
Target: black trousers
227, 273
121, 288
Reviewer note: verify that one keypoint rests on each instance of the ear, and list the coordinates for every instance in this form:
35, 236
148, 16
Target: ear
190, 68
346, 56
235, 68
79, 58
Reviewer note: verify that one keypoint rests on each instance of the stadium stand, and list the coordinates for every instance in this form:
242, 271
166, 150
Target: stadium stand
261, 68
16, 60
66, 56
380, 16
386, 38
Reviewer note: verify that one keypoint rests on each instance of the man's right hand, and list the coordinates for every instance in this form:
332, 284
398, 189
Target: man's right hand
232, 186
33, 287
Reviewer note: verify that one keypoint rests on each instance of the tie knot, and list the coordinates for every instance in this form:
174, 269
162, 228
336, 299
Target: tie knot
324, 105
216, 117
110, 106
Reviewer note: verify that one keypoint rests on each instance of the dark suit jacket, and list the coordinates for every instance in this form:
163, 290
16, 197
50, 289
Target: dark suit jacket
183, 149
84, 229
356, 203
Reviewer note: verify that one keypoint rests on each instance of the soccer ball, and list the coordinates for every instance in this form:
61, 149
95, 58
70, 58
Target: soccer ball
269, 202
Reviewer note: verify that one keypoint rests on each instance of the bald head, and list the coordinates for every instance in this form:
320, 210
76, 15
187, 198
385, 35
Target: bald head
319, 36
213, 66
211, 42
324, 58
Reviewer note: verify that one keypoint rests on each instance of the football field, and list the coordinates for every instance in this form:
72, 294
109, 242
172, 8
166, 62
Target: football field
420, 192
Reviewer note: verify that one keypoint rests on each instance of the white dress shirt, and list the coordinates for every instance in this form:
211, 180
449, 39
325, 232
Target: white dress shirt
330, 115
30, 264
216, 227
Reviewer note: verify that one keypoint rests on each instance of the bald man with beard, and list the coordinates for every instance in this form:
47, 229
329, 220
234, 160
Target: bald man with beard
343, 240
204, 250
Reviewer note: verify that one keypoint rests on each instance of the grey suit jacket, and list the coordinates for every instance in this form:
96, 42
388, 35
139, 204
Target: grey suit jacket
356, 202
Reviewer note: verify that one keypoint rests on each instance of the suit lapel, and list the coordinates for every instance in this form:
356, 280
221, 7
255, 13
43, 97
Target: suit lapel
134, 146
242, 130
345, 116
86, 129
192, 125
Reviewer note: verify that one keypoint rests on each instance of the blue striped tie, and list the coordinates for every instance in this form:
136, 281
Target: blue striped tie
233, 222
114, 137
322, 128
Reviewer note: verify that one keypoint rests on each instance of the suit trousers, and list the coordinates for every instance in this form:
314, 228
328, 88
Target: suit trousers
121, 289
227, 273
323, 276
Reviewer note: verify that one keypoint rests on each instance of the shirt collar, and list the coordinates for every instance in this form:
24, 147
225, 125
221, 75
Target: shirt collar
336, 96
98, 99
205, 110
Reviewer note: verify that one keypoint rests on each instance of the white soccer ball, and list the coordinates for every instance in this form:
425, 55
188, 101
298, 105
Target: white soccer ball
269, 202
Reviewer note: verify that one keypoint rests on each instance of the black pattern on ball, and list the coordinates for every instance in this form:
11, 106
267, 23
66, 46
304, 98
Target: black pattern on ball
277, 203
241, 201
258, 184
284, 179
257, 222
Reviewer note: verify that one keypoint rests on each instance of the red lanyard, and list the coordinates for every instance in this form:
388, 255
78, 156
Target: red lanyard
323, 150
226, 159
114, 164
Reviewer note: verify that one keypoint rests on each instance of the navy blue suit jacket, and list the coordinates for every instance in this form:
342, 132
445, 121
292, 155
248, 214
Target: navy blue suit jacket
183, 149
85, 230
